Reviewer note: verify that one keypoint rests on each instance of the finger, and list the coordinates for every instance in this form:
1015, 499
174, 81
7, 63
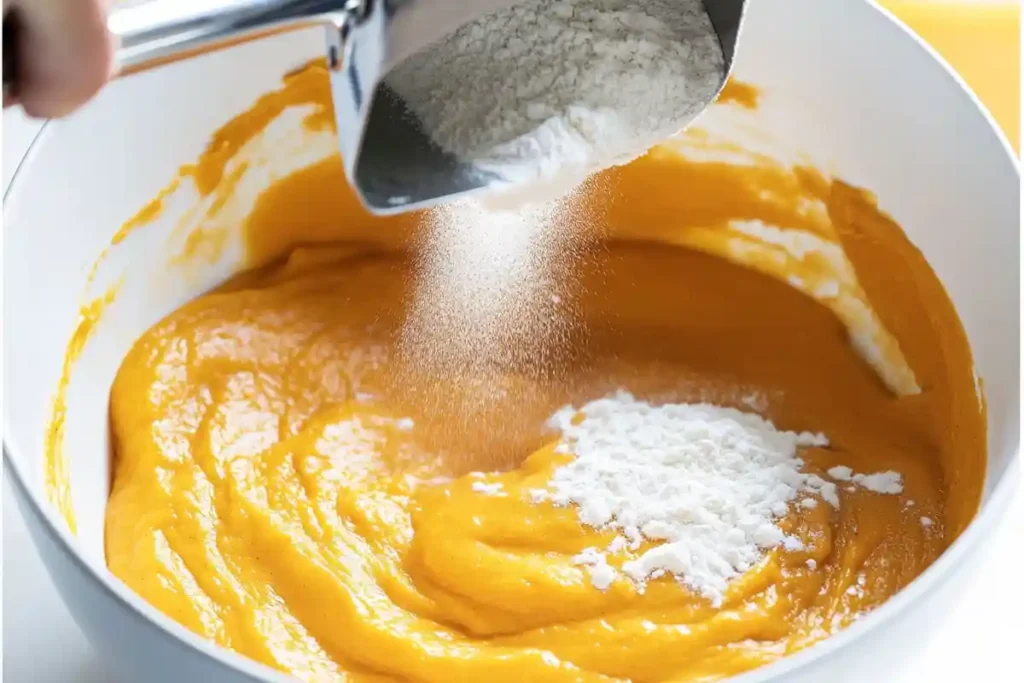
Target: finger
65, 54
11, 32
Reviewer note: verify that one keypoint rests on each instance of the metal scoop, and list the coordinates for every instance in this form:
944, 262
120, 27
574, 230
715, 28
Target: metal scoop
389, 160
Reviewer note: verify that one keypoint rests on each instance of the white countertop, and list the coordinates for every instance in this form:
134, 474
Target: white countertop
41, 643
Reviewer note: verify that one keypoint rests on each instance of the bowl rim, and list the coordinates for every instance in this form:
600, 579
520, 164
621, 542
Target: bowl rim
899, 605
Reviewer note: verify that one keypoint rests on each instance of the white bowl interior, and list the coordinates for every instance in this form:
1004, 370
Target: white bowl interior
888, 118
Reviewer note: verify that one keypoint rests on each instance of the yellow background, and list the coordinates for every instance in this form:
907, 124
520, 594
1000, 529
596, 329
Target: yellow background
981, 40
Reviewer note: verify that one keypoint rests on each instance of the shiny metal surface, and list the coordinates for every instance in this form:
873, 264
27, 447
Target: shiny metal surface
388, 159
726, 16
162, 31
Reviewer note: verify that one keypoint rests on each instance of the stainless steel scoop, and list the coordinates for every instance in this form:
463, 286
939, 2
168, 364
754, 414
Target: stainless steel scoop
388, 158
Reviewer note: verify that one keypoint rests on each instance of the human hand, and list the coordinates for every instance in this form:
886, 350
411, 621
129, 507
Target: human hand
57, 54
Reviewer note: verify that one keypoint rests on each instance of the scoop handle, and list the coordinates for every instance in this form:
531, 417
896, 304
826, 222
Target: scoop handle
161, 31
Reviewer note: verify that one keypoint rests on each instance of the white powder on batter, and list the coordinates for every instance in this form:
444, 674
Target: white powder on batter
483, 487
555, 89
840, 473
596, 562
708, 484
887, 483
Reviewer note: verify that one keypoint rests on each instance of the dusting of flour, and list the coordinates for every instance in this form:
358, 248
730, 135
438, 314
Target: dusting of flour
490, 321
707, 483
486, 287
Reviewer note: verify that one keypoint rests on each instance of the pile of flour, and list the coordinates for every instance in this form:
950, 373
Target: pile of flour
553, 90
707, 484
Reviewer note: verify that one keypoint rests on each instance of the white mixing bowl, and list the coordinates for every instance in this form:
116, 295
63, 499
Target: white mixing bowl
846, 84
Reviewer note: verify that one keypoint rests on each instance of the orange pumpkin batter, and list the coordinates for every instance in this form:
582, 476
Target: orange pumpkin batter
263, 501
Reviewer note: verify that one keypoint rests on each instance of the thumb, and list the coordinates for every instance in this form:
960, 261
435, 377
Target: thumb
64, 53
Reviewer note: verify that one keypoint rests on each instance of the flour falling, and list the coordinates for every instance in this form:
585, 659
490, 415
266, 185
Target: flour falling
486, 287
491, 319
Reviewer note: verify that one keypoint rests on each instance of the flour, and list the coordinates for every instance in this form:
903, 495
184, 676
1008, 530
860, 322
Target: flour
840, 473
706, 484
888, 483
486, 292
541, 94
555, 89
483, 487
483, 278
601, 574
488, 321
